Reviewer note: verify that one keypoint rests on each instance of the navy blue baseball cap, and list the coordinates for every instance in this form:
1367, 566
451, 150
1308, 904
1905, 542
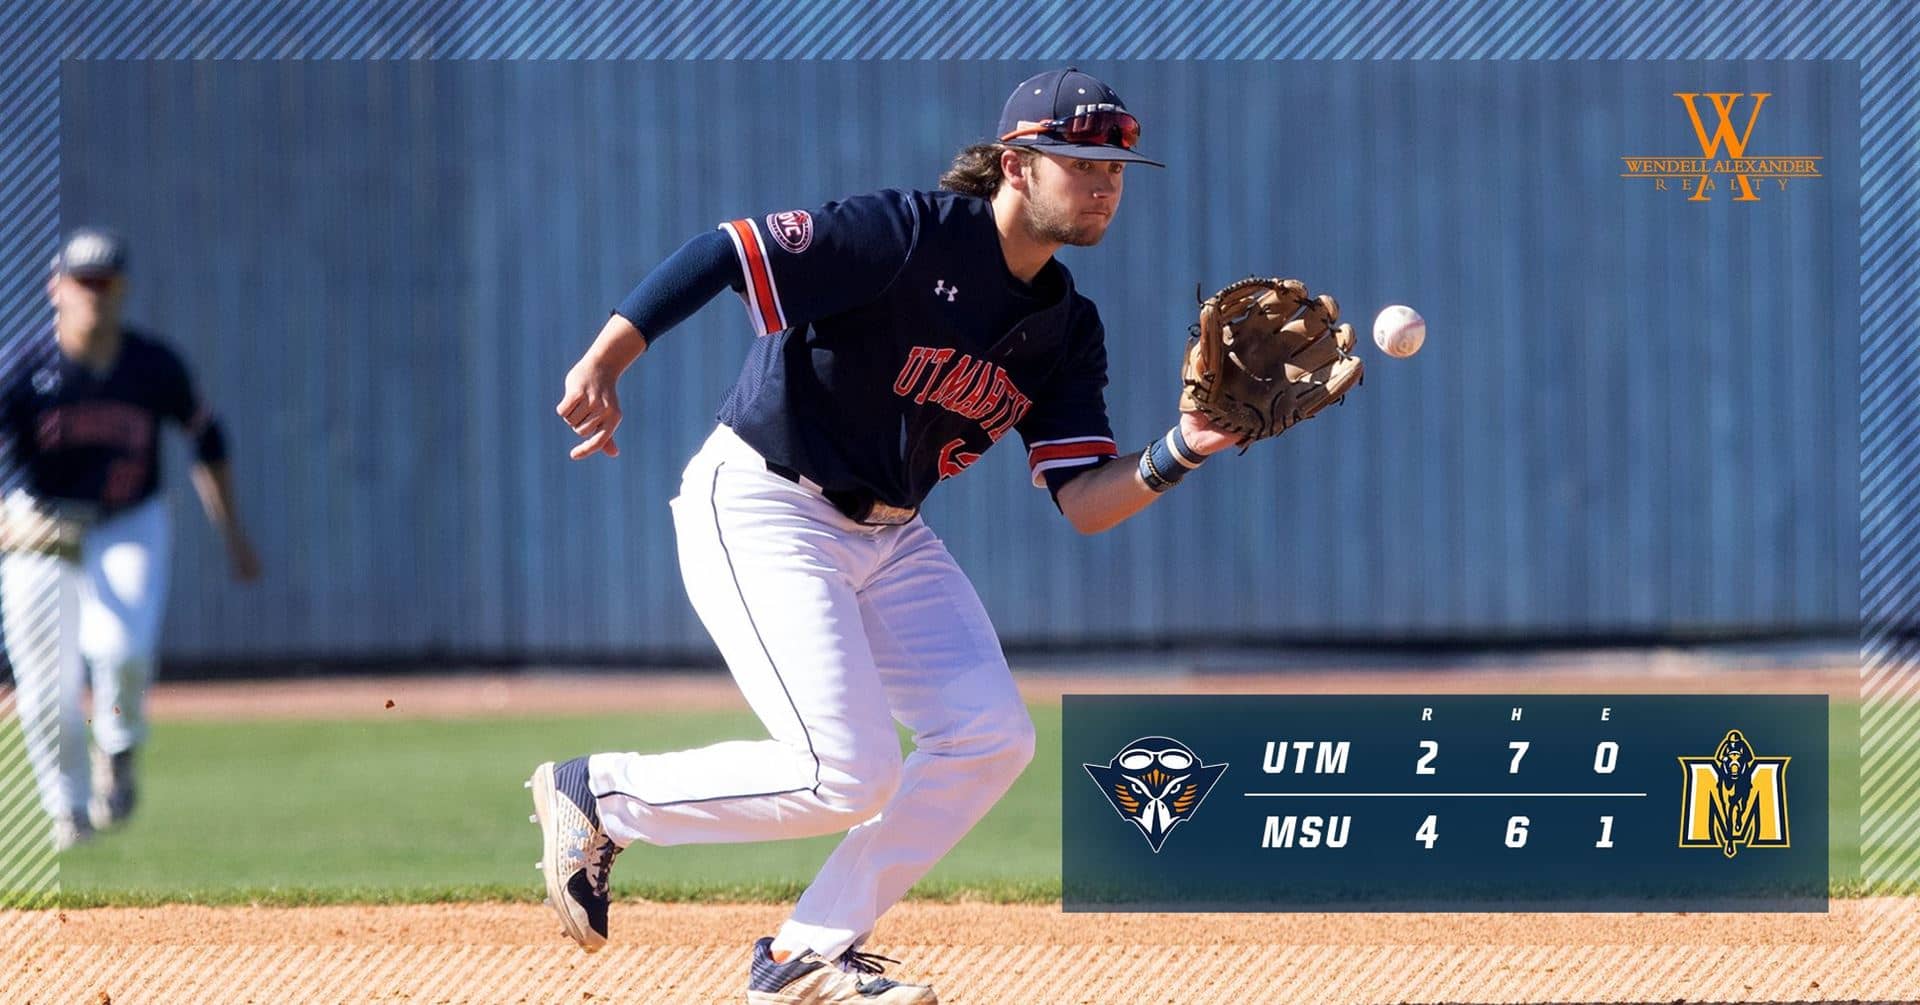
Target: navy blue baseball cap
1071, 114
92, 253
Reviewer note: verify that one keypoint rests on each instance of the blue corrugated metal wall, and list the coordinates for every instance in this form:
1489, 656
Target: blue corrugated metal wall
1634, 413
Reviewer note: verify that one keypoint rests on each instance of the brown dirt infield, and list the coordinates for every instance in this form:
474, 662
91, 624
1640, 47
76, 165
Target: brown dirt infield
1860, 950
1863, 950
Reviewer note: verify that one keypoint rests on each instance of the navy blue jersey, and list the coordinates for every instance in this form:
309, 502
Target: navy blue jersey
897, 347
94, 438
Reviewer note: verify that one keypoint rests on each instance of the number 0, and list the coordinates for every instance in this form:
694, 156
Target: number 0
1425, 767
1604, 757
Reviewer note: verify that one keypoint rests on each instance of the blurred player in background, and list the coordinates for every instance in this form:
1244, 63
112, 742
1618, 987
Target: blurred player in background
85, 530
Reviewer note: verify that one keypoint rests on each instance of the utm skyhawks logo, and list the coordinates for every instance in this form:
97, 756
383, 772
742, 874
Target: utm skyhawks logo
1702, 175
1734, 799
1156, 783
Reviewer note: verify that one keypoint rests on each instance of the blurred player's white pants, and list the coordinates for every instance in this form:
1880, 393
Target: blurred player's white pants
63, 618
832, 630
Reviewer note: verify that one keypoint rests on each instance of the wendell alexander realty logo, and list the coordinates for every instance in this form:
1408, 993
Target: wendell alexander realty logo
1705, 174
1155, 783
1734, 799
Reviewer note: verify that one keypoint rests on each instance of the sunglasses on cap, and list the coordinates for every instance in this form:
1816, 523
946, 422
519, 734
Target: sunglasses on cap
1102, 128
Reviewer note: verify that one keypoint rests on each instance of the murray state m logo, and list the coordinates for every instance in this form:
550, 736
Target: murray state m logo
1734, 799
1723, 104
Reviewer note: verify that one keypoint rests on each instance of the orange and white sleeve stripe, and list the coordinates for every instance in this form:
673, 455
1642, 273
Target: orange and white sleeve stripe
762, 298
1045, 455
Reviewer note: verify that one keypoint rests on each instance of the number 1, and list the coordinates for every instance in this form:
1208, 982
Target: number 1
1606, 833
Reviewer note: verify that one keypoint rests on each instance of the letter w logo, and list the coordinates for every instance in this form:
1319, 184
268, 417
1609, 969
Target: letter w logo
1723, 134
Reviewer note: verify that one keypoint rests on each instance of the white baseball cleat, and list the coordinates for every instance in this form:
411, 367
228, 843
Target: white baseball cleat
113, 788
70, 831
577, 855
810, 979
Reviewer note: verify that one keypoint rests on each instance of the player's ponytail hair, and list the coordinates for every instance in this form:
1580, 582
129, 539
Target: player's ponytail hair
976, 170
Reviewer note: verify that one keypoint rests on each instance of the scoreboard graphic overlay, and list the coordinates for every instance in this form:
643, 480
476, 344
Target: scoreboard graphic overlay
1445, 803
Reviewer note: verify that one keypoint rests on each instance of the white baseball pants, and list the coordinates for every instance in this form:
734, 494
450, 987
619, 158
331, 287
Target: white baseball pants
62, 619
832, 630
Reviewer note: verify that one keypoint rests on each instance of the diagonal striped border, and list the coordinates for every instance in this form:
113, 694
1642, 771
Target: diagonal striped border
1868, 971
1881, 36
1889, 432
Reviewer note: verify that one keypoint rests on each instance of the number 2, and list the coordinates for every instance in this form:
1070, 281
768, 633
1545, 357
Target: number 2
1425, 767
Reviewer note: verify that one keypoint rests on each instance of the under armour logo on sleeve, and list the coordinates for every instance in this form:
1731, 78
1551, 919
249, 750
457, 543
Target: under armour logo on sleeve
940, 286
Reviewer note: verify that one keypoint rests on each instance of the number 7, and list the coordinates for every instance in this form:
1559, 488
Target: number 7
1519, 748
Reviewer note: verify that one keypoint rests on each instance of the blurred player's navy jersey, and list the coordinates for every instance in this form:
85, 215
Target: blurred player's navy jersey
898, 347
87, 437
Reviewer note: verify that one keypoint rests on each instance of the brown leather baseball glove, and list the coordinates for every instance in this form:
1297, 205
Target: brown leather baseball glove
1265, 355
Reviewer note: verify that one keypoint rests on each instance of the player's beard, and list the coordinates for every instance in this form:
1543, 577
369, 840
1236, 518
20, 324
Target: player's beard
79, 322
81, 315
1053, 222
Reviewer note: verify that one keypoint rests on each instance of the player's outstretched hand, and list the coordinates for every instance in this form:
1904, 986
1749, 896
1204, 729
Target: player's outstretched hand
591, 408
1202, 435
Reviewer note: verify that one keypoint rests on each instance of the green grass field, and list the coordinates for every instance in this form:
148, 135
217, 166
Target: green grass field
410, 810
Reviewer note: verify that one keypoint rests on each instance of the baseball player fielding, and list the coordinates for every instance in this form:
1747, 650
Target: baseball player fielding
900, 335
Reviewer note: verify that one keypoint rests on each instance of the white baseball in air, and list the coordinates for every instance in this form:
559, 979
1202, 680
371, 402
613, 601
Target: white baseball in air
1399, 331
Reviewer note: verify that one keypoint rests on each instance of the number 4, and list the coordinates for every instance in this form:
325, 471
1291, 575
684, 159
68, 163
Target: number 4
1428, 832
